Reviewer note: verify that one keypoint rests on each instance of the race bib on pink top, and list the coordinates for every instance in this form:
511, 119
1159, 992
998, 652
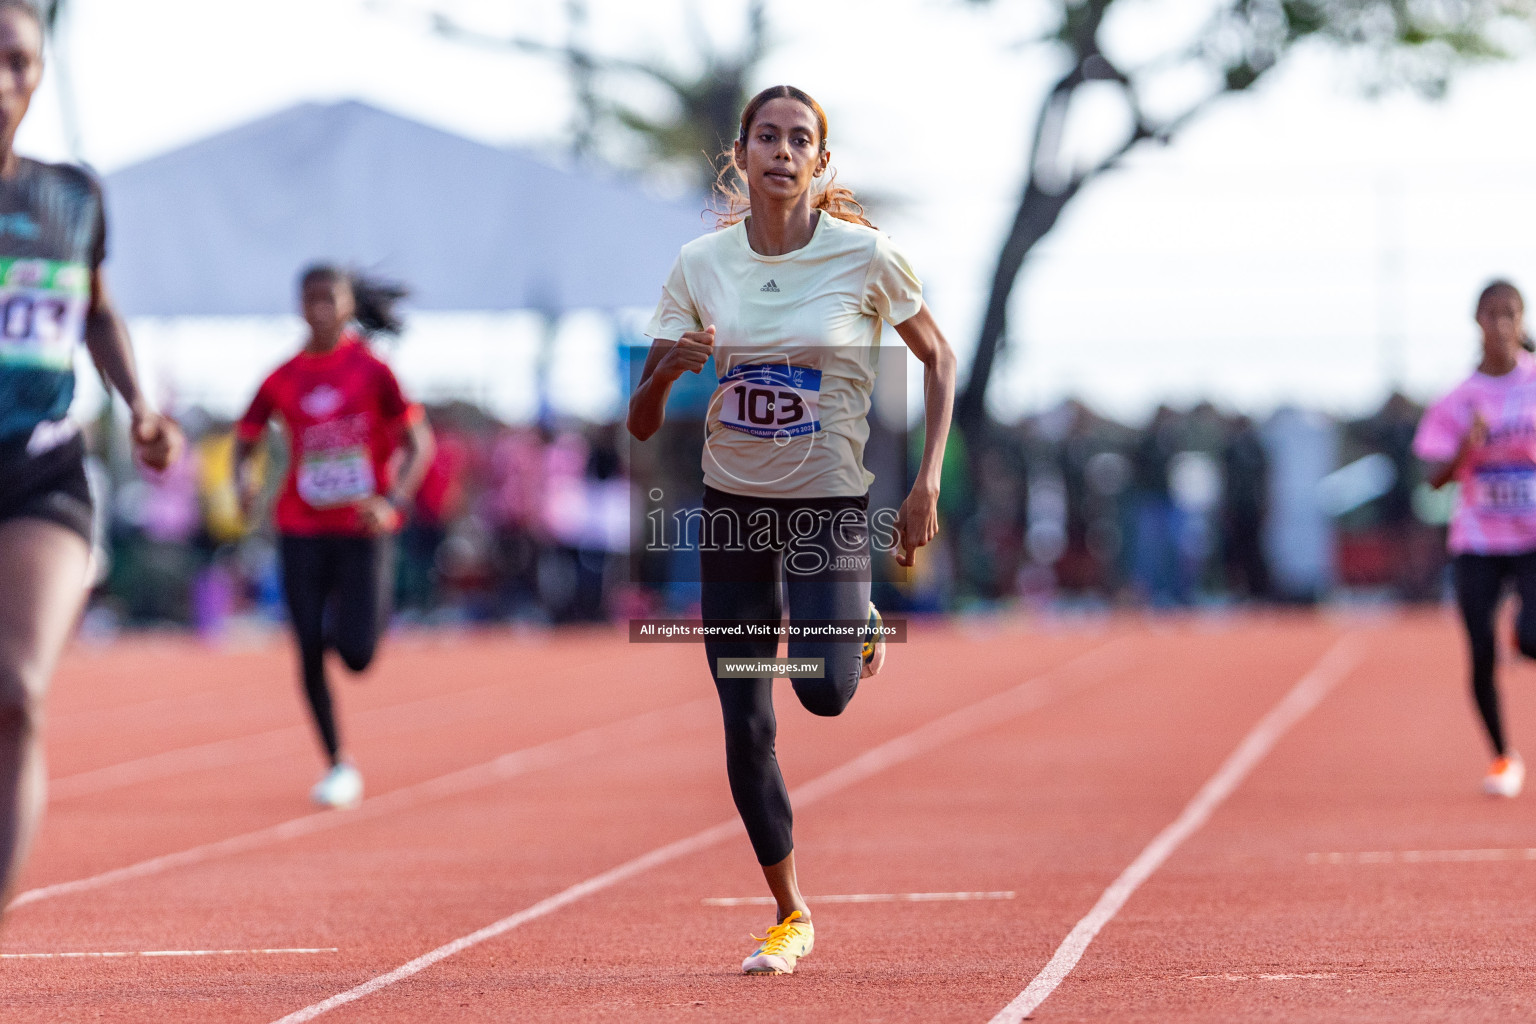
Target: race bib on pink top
1496, 507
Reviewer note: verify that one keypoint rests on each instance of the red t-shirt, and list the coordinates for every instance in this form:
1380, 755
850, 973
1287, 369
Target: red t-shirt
344, 413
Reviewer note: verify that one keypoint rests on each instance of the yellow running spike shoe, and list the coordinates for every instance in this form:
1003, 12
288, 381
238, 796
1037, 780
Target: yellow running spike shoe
786, 943
874, 644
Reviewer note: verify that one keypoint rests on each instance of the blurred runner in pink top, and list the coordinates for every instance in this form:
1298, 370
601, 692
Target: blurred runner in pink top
1483, 436
1496, 508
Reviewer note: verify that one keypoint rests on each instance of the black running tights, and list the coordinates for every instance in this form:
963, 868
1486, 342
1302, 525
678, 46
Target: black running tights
745, 585
338, 590
1480, 581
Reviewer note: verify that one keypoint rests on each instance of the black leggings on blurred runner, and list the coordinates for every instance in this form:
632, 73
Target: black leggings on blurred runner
825, 572
338, 591
1480, 581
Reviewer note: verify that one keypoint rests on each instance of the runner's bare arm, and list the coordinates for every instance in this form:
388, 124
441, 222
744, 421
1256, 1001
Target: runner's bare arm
157, 440
918, 520
664, 363
420, 446
1441, 473
245, 480
384, 513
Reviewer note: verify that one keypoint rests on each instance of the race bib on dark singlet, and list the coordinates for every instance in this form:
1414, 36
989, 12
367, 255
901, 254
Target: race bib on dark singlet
1506, 490
765, 400
42, 312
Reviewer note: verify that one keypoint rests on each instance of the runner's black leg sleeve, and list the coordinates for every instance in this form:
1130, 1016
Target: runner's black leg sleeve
751, 765
1479, 579
741, 586
306, 582
1524, 567
832, 587
364, 585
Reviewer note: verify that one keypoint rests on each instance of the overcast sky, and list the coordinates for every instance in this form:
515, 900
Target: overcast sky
1298, 244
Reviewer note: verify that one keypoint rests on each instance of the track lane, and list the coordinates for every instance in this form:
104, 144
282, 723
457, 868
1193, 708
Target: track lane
1089, 669
1240, 925
1334, 667
503, 853
1236, 926
157, 816
212, 695
597, 959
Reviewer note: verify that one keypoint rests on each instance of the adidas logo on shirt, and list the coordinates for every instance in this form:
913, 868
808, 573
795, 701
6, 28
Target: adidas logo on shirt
769, 287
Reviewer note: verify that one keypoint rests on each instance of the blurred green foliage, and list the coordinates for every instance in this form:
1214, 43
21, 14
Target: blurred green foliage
703, 84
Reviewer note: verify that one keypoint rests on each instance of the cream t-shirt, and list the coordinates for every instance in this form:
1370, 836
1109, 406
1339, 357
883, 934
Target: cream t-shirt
797, 338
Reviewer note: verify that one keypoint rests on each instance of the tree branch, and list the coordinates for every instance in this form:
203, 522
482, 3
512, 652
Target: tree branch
450, 29
1039, 209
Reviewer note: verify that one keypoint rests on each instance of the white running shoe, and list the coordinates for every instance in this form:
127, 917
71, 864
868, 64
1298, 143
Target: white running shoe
1506, 776
341, 787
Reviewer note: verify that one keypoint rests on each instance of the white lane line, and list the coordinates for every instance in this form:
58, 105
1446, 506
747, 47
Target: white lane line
1315, 976
589, 742
225, 753
1026, 696
1293, 707
162, 952
407, 716
1421, 856
116, 716
866, 897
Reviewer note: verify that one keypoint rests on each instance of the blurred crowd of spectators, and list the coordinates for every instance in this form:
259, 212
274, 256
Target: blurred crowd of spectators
1195, 507
1066, 507
510, 523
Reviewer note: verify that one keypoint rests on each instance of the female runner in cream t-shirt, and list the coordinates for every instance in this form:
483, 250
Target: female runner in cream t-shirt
789, 300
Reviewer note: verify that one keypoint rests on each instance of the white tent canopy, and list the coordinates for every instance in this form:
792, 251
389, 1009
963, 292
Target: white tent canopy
221, 227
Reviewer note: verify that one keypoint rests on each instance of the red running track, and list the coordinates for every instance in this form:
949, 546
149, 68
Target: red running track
512, 773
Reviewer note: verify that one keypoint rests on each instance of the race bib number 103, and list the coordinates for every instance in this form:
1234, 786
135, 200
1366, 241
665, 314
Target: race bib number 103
770, 401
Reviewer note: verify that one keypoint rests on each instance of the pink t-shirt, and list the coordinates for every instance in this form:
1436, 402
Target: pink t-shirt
1496, 508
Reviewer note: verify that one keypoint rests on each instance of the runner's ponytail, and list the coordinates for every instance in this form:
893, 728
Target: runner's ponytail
376, 312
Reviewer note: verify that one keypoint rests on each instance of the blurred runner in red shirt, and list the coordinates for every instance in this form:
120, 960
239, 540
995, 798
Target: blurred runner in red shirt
340, 505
